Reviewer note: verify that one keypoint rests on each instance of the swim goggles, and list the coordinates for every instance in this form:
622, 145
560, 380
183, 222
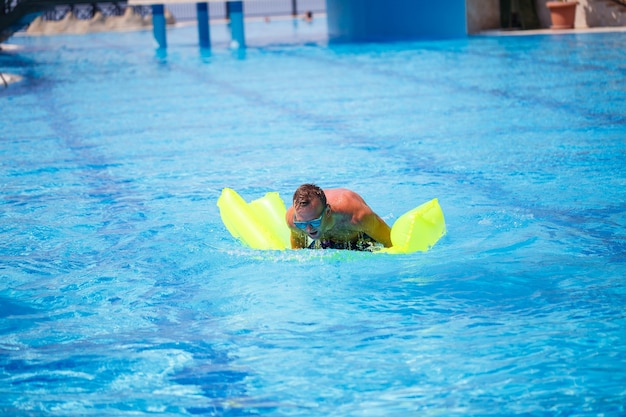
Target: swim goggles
315, 223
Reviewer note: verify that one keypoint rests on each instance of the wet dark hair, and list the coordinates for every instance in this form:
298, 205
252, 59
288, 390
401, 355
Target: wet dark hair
307, 192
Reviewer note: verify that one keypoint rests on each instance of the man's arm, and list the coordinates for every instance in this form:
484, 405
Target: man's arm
377, 229
368, 221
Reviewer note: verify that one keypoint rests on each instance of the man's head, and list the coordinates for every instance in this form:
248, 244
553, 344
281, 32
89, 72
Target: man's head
310, 209
306, 193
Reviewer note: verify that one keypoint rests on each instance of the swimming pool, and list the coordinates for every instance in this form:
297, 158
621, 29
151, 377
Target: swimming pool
123, 294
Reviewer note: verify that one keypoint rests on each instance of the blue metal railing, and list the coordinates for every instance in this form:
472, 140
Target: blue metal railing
18, 14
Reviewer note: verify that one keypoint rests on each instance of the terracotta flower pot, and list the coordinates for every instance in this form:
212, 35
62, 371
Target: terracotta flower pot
562, 13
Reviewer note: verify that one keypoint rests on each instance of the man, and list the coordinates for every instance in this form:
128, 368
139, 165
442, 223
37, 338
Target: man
334, 218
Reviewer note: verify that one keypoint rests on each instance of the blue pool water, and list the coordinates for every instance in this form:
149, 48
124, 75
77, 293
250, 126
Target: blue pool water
121, 292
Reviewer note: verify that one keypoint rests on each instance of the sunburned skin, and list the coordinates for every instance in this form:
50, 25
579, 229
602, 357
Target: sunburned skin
346, 218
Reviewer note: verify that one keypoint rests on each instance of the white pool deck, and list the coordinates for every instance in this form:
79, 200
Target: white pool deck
501, 32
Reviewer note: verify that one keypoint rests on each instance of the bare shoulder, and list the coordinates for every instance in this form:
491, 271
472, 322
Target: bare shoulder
354, 214
347, 201
289, 216
338, 196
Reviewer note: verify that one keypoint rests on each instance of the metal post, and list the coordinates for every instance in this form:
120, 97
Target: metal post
204, 35
294, 8
236, 24
158, 25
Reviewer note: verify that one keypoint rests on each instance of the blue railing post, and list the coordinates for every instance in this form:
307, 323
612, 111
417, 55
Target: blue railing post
204, 35
236, 24
158, 25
